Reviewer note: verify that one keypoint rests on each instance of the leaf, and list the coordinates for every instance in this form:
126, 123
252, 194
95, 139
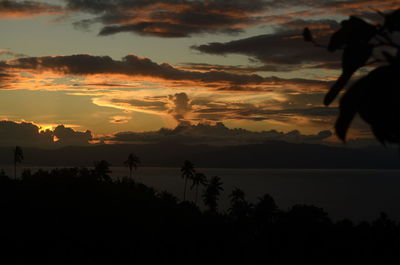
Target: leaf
354, 30
354, 56
392, 21
347, 109
307, 36
379, 103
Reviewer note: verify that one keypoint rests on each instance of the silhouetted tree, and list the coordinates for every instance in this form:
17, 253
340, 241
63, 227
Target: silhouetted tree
3, 177
307, 215
375, 96
266, 209
132, 163
26, 174
102, 170
212, 192
188, 172
198, 179
18, 157
240, 208
168, 197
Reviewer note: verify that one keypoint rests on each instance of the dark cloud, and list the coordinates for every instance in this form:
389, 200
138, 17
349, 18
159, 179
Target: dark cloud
335, 7
238, 69
217, 134
10, 8
5, 76
181, 105
173, 18
357, 7
259, 113
132, 65
67, 136
182, 18
23, 134
284, 48
29, 134
321, 26
158, 29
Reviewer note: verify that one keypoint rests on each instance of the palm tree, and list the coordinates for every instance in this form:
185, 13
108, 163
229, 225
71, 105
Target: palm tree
102, 169
240, 208
18, 157
188, 172
132, 162
212, 192
266, 209
199, 178
236, 196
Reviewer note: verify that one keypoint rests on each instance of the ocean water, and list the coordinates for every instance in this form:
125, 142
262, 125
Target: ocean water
344, 193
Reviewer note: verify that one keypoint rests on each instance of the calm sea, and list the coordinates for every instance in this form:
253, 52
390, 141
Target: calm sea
355, 194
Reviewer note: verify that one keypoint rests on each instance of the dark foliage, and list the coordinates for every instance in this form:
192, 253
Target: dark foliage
132, 163
188, 172
76, 216
18, 157
197, 180
375, 96
212, 192
102, 170
240, 209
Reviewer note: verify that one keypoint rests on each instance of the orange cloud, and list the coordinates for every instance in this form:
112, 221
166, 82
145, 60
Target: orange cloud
120, 119
23, 9
137, 72
179, 95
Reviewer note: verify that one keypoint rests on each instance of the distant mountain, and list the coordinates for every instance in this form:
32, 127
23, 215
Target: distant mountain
271, 154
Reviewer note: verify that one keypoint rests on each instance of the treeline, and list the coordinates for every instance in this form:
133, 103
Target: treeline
81, 216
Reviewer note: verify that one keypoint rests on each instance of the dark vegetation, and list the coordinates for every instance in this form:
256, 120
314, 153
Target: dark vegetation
375, 96
83, 216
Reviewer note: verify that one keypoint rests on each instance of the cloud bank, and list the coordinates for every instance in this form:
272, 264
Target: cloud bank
28, 134
214, 134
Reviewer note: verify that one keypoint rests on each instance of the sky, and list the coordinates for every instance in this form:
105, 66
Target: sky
94, 70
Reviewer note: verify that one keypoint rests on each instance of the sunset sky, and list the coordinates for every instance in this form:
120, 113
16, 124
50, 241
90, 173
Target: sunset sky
112, 66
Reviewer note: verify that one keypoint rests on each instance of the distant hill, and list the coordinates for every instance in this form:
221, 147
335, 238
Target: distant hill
271, 154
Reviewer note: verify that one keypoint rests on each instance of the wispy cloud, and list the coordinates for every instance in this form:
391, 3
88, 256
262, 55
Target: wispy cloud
9, 53
169, 18
22, 9
143, 69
